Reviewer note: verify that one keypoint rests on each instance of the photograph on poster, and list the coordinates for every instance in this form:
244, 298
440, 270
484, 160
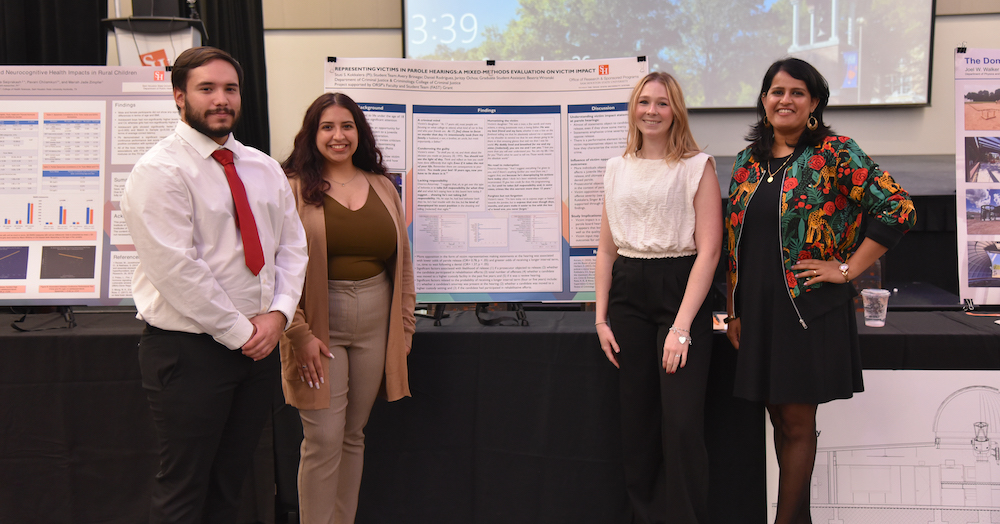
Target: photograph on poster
982, 211
68, 262
916, 446
982, 159
984, 263
13, 262
982, 106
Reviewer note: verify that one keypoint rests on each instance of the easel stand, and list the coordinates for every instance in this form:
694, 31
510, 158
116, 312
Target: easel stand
64, 312
436, 311
520, 318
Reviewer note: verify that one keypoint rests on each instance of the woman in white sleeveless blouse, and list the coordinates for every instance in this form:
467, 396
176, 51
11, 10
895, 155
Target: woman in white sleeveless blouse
661, 236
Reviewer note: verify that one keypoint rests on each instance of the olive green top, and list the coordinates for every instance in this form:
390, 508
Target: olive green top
359, 243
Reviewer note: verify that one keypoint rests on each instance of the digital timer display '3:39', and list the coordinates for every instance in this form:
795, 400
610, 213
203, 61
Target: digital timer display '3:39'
446, 25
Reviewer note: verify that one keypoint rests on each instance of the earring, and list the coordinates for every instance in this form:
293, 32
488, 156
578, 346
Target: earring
813, 123
766, 123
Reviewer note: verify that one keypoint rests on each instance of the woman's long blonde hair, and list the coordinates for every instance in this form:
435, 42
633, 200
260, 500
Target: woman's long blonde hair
680, 141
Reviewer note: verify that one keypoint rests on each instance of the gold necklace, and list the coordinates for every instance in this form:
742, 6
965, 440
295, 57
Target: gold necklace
356, 171
770, 175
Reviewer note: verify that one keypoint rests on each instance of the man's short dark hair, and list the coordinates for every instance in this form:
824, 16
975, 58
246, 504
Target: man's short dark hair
197, 57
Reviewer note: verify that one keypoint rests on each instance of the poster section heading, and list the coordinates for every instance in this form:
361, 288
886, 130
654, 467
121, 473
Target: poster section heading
502, 167
68, 139
428, 76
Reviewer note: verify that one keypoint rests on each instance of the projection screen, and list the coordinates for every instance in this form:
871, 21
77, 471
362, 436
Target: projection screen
872, 52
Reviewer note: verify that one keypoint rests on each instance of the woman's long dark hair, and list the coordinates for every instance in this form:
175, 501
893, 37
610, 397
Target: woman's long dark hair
306, 162
762, 136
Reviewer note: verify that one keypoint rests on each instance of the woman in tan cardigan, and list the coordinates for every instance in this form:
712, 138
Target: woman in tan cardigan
354, 325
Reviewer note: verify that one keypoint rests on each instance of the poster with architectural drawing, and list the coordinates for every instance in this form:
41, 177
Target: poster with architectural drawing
915, 447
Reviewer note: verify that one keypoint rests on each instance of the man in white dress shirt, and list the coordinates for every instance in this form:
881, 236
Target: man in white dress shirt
216, 292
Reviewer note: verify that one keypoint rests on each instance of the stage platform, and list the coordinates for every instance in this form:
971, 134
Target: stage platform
920, 296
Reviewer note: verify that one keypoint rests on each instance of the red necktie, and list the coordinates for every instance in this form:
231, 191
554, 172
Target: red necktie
252, 251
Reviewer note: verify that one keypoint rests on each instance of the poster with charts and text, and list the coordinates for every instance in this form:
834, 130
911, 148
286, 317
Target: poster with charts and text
501, 166
977, 169
69, 136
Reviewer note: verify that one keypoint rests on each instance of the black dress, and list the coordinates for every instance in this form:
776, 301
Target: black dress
779, 361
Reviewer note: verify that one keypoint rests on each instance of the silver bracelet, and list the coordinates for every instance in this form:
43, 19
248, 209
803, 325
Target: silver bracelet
681, 338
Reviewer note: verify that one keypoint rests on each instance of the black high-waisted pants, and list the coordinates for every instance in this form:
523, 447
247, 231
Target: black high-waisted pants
662, 416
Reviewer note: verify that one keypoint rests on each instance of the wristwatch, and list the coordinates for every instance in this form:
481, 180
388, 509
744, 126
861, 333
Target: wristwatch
844, 268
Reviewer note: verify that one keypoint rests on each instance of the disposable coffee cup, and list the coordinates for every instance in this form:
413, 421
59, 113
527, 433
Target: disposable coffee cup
876, 303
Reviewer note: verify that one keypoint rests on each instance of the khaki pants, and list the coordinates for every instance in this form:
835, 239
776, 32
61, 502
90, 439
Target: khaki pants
333, 442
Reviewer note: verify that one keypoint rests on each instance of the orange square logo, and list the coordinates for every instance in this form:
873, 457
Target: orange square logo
604, 69
159, 76
154, 58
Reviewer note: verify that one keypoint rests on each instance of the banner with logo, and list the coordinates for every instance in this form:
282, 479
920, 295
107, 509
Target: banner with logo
137, 48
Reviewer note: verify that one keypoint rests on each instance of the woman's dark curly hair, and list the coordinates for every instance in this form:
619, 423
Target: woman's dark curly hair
761, 135
306, 162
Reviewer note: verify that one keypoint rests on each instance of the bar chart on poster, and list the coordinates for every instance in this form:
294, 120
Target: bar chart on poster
68, 138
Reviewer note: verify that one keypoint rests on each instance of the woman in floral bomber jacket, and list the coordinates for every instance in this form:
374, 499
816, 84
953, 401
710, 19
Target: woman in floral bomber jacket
796, 234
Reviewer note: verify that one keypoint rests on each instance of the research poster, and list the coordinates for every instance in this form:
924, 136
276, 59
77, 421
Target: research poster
977, 169
68, 139
502, 167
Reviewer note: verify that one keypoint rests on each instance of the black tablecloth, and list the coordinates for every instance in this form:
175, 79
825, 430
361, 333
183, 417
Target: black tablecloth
507, 424
520, 424
931, 340
76, 436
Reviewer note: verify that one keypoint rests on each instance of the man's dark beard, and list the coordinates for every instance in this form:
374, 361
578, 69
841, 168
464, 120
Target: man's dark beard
200, 123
